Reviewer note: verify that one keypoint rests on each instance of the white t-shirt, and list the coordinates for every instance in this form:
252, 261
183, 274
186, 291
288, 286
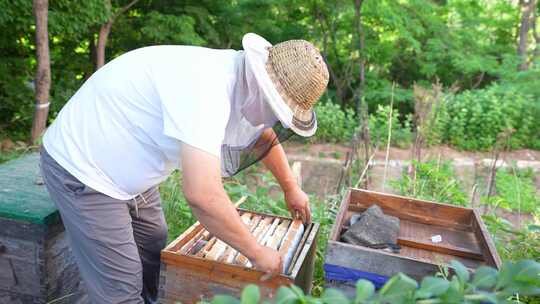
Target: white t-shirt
122, 131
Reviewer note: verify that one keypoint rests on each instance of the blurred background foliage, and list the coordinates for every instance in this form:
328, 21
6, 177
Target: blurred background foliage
469, 47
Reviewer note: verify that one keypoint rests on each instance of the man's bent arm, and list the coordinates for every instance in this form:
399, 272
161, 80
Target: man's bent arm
204, 192
276, 162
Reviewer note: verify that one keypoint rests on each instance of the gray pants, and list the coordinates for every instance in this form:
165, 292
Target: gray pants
116, 246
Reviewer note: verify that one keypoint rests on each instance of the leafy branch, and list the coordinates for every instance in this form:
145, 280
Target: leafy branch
485, 285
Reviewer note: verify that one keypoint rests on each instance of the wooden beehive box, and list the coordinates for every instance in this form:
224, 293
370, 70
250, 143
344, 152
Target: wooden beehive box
462, 232
188, 276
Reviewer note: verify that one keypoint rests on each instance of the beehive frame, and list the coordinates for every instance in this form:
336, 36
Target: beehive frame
189, 278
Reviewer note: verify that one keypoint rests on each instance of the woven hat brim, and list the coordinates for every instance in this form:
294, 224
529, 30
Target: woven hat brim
256, 52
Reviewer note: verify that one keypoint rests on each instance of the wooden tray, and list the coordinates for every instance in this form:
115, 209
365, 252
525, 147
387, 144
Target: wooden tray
463, 237
189, 279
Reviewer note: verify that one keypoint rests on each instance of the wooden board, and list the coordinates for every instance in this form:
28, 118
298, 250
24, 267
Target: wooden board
190, 278
463, 237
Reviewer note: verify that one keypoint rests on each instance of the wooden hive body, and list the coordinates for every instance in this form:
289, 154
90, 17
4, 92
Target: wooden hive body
463, 238
190, 278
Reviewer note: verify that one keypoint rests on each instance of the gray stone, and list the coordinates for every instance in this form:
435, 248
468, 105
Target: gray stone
372, 228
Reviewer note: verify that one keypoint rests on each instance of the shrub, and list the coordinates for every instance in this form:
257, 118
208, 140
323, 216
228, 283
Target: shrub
477, 117
378, 128
177, 212
486, 285
515, 191
334, 124
434, 182
514, 243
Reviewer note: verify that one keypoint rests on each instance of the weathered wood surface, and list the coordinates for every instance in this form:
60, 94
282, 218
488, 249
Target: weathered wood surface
178, 283
304, 265
462, 236
415, 210
488, 247
376, 261
210, 266
187, 277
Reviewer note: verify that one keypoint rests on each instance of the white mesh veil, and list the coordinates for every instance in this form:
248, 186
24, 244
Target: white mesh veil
250, 116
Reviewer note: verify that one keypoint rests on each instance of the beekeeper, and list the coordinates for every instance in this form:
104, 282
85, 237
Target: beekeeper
209, 113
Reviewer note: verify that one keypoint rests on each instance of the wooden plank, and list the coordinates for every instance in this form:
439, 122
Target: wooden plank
259, 233
279, 234
311, 232
336, 228
267, 236
376, 261
265, 239
413, 209
453, 241
206, 247
193, 230
304, 276
220, 246
230, 252
299, 250
203, 266
442, 248
296, 169
203, 235
491, 256
184, 237
289, 237
190, 286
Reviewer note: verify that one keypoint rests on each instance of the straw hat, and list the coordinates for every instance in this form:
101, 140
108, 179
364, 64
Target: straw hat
292, 76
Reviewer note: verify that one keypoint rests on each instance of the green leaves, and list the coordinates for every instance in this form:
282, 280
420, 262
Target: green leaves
286, 296
334, 296
432, 286
364, 290
487, 286
484, 277
461, 271
250, 295
334, 124
225, 299
399, 289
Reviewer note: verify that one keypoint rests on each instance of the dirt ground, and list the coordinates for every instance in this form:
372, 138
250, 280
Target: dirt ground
339, 152
322, 165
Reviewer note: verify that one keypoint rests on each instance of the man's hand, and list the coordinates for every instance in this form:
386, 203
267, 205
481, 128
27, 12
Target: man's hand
268, 260
276, 162
298, 204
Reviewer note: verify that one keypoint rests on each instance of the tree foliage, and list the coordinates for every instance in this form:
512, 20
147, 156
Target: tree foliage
462, 43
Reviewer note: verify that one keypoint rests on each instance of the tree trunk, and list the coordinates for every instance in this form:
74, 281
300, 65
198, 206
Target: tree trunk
103, 35
361, 105
93, 54
105, 30
536, 35
527, 9
43, 73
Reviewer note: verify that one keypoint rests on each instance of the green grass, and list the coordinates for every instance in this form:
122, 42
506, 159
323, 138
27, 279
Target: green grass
10, 155
515, 191
177, 212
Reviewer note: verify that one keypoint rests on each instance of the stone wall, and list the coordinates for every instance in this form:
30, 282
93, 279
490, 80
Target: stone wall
36, 265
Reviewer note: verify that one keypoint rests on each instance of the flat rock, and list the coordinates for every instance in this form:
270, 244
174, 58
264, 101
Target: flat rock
373, 227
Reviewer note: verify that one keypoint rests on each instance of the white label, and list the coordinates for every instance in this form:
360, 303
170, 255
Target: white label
436, 238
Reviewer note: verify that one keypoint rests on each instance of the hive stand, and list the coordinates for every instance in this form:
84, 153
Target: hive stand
36, 264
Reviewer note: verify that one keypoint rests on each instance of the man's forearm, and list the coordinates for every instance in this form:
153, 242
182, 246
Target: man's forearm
276, 162
219, 216
204, 191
